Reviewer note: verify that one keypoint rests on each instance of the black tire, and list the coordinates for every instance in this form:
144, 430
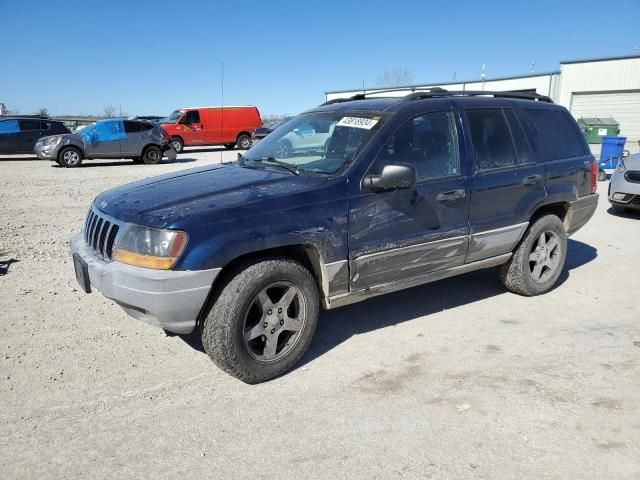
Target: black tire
602, 176
243, 142
137, 160
227, 328
620, 209
519, 273
152, 155
178, 144
230, 146
70, 157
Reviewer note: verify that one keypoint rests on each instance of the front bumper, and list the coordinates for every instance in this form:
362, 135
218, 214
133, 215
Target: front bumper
631, 191
45, 152
580, 211
168, 299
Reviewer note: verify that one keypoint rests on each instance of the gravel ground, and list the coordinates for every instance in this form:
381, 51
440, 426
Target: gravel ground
457, 379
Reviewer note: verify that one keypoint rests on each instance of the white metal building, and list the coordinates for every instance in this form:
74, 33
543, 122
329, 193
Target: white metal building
597, 87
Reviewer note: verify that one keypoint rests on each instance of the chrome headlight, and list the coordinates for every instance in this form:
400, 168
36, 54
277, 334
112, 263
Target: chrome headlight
52, 141
621, 166
150, 247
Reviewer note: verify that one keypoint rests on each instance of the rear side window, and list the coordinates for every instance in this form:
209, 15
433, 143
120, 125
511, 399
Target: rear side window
491, 139
132, 127
552, 134
26, 125
519, 138
8, 126
192, 116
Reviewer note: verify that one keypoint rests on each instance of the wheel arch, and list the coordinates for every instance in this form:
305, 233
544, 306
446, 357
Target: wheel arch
248, 134
307, 254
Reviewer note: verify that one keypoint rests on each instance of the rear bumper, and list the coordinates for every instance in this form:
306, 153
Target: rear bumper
580, 211
168, 299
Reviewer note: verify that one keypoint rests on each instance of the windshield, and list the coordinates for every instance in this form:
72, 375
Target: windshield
173, 118
320, 142
85, 128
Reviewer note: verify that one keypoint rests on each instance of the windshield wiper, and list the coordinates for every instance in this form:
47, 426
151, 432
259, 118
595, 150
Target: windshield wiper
287, 166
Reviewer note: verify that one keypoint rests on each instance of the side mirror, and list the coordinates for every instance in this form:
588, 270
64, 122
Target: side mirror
393, 177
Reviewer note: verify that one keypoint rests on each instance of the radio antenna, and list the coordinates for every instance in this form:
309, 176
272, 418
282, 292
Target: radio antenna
222, 105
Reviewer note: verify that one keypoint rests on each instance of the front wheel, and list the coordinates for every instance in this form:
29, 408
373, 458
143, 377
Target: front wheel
538, 261
178, 144
263, 320
70, 157
244, 142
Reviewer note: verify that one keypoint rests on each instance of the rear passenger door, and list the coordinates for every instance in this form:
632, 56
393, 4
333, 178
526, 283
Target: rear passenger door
30, 132
507, 183
134, 141
403, 233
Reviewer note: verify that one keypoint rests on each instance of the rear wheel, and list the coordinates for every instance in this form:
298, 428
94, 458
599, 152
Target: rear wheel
244, 142
263, 320
229, 146
137, 159
538, 261
152, 155
178, 144
70, 157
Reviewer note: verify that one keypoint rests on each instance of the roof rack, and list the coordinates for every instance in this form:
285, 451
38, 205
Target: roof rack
476, 93
437, 92
364, 96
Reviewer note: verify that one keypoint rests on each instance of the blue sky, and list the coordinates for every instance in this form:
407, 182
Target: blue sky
151, 57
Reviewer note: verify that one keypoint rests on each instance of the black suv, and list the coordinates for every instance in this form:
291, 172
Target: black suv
20, 134
405, 191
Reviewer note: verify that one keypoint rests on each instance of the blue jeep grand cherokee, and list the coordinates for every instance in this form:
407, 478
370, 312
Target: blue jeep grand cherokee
387, 194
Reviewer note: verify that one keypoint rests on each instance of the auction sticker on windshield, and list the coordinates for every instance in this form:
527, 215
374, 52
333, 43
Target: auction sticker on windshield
357, 122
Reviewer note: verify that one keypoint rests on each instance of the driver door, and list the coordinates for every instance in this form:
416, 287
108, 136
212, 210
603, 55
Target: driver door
190, 127
404, 233
103, 139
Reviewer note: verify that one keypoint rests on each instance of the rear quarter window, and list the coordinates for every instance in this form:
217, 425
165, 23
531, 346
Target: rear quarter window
552, 134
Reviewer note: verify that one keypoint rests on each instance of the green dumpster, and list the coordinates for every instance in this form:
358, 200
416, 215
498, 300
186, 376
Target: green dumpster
594, 128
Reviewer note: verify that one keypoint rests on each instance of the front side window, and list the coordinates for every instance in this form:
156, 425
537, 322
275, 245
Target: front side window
192, 116
428, 142
104, 131
132, 127
491, 139
8, 126
321, 142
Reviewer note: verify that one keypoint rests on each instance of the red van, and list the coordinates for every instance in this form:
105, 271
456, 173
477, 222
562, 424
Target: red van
228, 126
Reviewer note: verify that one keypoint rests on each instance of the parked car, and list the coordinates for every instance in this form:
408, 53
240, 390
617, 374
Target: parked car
407, 191
259, 133
624, 188
142, 141
20, 134
228, 126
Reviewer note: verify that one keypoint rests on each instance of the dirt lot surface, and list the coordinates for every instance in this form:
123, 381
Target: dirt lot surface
457, 379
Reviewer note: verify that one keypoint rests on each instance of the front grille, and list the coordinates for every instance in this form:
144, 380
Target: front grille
632, 176
100, 232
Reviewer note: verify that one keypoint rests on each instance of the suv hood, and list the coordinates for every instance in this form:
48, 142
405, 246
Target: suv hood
209, 193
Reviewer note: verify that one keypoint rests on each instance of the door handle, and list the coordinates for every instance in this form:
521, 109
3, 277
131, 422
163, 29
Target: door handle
451, 195
532, 180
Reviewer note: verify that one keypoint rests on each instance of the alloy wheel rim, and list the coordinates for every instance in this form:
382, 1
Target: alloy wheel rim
544, 257
71, 158
176, 145
274, 321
